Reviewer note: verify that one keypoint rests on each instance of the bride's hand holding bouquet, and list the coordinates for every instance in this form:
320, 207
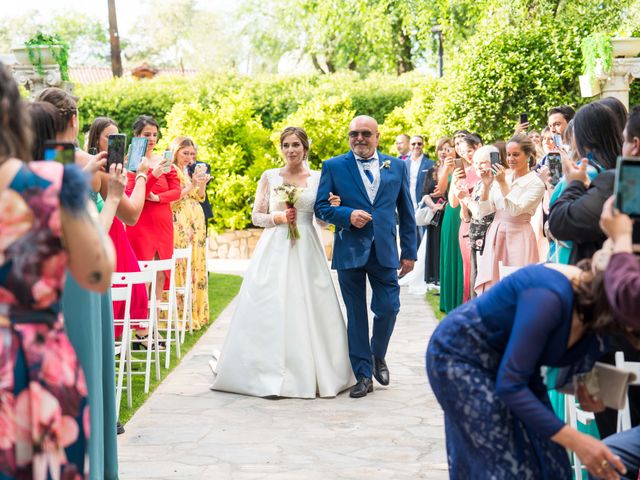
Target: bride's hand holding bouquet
289, 194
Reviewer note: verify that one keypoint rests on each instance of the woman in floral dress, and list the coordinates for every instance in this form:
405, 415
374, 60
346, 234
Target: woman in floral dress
189, 229
45, 227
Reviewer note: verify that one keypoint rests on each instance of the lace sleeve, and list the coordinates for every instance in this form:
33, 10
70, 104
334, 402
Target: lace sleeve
260, 215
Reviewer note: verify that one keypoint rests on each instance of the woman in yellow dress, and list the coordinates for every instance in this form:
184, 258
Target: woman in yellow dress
189, 228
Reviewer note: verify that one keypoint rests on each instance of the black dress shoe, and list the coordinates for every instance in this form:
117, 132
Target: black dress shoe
119, 428
360, 389
380, 371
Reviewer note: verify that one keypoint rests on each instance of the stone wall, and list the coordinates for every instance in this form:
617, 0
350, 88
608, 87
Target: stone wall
240, 244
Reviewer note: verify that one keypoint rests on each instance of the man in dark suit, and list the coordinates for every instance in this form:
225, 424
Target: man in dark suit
372, 188
418, 164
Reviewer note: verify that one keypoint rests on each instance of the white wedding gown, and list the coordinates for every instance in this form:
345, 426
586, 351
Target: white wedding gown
287, 337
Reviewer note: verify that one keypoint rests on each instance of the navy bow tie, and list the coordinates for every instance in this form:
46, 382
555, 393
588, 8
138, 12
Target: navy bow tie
366, 163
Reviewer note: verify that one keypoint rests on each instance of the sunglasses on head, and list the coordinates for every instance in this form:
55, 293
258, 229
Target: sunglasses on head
356, 134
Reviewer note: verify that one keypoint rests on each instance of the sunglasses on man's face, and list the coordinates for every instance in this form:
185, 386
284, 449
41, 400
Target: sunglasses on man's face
417, 144
356, 134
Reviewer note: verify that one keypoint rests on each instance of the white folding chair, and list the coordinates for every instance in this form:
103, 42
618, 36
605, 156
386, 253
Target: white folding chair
170, 306
576, 415
122, 347
185, 254
505, 270
624, 415
126, 280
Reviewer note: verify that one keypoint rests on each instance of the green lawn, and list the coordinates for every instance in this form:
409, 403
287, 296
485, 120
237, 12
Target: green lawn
222, 289
434, 303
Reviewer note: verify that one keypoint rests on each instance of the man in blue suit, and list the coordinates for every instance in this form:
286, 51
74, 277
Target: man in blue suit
372, 187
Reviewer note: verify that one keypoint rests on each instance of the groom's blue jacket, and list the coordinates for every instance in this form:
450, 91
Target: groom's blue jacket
352, 246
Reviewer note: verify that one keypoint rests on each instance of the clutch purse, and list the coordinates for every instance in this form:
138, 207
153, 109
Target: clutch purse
424, 215
608, 383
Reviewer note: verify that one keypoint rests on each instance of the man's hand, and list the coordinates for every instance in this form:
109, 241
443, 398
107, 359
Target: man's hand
405, 267
359, 218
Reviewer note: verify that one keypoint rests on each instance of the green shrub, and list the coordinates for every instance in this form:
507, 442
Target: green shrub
236, 146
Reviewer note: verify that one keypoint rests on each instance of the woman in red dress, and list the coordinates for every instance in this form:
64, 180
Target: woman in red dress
152, 237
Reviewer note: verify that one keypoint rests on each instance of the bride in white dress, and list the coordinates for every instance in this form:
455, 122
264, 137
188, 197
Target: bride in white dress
288, 336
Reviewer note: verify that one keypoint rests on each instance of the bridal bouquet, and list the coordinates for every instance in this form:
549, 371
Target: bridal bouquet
289, 194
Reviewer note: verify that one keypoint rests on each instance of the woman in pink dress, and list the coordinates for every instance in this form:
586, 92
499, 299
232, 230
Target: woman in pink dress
467, 181
514, 198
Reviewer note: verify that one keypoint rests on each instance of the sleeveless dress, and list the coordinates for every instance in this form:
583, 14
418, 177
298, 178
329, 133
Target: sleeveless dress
189, 229
451, 267
89, 324
287, 337
44, 410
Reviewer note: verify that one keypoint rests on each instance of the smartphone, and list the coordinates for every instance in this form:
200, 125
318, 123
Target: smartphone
627, 186
524, 118
459, 164
63, 152
137, 149
495, 158
557, 140
115, 149
167, 155
93, 151
554, 162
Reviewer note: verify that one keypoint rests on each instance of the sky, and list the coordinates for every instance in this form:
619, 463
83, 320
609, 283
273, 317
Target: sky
128, 11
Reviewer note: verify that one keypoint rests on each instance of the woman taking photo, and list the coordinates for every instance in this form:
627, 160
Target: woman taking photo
288, 337
514, 197
152, 236
189, 228
465, 178
129, 210
451, 267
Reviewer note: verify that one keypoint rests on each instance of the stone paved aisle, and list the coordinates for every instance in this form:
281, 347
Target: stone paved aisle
186, 431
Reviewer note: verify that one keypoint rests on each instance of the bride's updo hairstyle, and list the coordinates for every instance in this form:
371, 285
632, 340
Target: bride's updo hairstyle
298, 132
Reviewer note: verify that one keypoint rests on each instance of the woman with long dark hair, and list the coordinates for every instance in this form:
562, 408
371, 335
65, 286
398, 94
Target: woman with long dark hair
575, 215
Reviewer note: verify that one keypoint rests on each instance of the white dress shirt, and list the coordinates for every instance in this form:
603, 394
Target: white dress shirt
413, 178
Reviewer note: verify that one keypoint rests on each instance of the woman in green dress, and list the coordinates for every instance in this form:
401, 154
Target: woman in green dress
451, 268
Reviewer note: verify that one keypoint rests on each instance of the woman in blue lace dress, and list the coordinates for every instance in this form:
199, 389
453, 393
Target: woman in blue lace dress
483, 363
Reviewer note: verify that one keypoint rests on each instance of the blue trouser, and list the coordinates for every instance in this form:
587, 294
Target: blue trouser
627, 446
385, 304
